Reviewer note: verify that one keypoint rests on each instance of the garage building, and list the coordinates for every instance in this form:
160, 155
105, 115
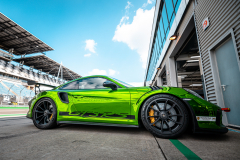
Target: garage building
203, 53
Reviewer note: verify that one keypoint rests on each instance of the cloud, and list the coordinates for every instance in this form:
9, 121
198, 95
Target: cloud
112, 72
123, 20
148, 2
136, 34
97, 72
90, 45
129, 4
87, 55
136, 84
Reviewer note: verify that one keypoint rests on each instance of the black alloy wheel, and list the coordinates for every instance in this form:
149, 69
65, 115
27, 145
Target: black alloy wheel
45, 114
164, 116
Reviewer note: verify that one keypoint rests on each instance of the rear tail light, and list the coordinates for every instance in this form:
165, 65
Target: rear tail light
226, 109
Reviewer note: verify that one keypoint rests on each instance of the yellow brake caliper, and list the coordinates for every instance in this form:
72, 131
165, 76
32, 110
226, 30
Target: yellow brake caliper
50, 117
151, 113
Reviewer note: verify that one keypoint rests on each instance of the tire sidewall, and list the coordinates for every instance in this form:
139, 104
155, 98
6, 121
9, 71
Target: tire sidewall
155, 131
53, 120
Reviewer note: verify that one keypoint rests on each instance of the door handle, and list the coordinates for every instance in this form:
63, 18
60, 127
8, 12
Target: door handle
223, 86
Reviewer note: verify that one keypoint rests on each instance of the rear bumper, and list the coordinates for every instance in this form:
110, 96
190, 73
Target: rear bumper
28, 115
197, 129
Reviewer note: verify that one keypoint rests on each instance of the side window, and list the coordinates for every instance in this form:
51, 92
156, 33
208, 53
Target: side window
92, 83
72, 85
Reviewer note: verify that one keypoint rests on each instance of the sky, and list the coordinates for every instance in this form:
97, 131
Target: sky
97, 37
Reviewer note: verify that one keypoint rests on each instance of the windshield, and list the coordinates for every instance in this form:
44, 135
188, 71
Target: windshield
122, 83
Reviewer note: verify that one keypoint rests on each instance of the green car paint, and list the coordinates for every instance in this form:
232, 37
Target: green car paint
121, 106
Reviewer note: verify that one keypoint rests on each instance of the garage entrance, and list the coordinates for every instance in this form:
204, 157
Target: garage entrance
188, 64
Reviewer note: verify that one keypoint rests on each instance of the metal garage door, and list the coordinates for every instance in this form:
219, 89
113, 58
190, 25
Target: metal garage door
229, 73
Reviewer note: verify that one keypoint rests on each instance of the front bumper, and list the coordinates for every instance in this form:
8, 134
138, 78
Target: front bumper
206, 127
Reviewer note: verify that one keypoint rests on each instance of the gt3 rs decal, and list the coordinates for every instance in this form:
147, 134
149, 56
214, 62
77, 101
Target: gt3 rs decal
96, 114
205, 118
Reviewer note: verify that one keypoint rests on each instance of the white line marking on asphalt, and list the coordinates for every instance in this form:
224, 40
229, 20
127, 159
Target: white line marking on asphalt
12, 116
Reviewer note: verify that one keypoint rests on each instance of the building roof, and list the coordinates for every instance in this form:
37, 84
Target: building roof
42, 62
5, 56
14, 36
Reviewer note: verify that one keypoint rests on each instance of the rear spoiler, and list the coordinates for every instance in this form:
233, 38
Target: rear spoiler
37, 85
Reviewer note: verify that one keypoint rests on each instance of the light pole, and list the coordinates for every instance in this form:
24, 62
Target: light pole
21, 93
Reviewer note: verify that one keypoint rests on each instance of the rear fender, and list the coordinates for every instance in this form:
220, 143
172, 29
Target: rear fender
52, 95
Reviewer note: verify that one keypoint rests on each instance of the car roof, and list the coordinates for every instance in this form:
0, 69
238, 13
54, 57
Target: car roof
109, 78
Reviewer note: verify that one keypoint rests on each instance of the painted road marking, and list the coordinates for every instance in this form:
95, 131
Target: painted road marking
14, 107
11, 115
184, 150
233, 130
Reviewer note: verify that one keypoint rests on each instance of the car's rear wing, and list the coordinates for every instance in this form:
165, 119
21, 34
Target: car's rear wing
37, 85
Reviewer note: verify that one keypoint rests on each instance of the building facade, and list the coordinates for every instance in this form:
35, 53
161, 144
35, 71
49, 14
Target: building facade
205, 54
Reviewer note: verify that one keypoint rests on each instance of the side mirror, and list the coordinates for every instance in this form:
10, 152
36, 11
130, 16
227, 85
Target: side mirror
110, 84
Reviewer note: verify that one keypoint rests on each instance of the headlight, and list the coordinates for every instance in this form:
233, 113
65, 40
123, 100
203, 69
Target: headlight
192, 92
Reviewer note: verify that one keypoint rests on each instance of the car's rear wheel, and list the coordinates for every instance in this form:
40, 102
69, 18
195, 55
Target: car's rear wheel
45, 114
164, 116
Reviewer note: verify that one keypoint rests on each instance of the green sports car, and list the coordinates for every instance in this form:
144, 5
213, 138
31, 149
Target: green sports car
166, 112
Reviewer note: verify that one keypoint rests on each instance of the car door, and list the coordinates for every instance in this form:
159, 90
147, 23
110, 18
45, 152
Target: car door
95, 102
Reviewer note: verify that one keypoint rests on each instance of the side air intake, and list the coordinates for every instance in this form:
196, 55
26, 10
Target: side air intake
63, 97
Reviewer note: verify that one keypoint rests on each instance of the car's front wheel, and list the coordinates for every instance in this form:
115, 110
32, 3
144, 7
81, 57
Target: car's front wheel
45, 114
164, 116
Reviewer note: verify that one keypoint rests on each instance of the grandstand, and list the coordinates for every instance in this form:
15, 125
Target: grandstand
15, 92
15, 72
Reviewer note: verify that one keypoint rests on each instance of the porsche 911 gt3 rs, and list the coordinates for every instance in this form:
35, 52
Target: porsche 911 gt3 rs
166, 112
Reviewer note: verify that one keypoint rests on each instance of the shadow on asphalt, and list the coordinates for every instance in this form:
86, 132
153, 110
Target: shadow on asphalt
131, 130
106, 129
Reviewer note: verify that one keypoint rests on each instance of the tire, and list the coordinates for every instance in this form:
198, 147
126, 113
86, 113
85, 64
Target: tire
45, 114
165, 116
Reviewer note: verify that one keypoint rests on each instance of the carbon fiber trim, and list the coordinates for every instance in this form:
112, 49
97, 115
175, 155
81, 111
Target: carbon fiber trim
130, 117
103, 115
64, 113
99, 124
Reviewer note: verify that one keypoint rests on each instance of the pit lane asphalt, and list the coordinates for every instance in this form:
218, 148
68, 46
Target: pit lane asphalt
20, 139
